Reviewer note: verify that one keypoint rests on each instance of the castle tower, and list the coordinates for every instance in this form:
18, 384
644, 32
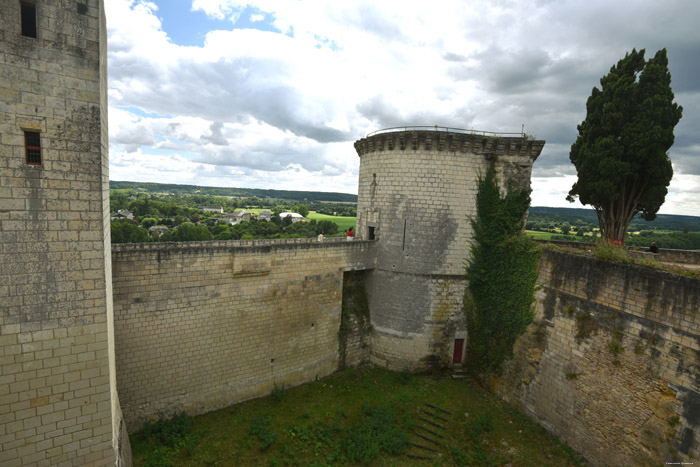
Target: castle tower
417, 194
58, 401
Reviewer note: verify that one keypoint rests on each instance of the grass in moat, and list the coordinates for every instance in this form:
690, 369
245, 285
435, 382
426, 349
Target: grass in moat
361, 416
344, 223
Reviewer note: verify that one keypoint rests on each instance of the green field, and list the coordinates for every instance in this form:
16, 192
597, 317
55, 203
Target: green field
539, 235
548, 235
344, 223
361, 416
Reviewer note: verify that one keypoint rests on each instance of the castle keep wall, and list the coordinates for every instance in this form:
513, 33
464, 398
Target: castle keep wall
612, 362
56, 403
417, 194
200, 326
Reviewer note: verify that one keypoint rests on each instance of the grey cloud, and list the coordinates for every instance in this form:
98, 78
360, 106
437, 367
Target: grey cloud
385, 115
686, 131
267, 156
686, 159
216, 137
684, 64
453, 57
524, 71
554, 159
133, 137
227, 91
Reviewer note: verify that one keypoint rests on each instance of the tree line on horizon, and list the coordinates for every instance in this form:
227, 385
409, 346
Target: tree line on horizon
128, 232
184, 221
261, 193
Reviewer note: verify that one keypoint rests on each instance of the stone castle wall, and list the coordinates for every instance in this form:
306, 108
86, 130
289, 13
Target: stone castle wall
417, 195
610, 365
200, 326
611, 362
57, 404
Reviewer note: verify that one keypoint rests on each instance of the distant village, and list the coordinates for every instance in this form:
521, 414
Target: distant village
231, 218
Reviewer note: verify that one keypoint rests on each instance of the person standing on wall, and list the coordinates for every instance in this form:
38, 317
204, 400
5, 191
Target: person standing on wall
350, 234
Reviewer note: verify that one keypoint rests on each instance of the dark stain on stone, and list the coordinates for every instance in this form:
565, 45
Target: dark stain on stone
82, 9
686, 441
691, 408
550, 301
595, 279
399, 302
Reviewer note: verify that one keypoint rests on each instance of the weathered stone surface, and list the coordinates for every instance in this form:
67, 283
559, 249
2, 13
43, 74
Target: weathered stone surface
195, 331
417, 194
58, 401
624, 393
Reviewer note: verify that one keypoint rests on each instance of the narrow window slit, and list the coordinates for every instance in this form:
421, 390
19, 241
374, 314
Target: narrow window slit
403, 246
28, 18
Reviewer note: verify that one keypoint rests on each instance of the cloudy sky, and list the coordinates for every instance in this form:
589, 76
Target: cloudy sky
273, 93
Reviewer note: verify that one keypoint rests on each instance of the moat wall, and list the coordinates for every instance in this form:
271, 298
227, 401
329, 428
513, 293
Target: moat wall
200, 326
612, 362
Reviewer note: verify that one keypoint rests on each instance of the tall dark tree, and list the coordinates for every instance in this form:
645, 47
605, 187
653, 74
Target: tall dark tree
621, 150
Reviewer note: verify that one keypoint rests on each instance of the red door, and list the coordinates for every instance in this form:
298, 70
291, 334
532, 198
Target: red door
459, 345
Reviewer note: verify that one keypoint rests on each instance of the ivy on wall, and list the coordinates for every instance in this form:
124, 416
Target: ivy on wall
501, 274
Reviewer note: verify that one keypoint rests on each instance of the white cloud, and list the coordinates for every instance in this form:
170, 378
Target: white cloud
264, 102
175, 168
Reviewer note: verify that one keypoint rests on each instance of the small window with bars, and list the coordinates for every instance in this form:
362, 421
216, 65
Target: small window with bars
32, 144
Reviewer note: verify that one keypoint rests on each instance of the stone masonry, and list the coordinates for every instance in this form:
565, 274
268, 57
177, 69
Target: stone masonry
201, 326
417, 195
58, 402
612, 362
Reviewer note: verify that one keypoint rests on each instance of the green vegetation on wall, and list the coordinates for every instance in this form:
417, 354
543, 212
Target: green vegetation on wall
355, 307
501, 274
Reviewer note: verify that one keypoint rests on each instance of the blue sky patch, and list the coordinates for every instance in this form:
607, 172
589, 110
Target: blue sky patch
140, 113
184, 26
189, 28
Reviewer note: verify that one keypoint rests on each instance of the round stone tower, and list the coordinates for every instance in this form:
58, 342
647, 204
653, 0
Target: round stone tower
417, 195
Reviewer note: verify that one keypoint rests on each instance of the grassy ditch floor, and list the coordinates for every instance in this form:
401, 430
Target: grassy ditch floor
361, 416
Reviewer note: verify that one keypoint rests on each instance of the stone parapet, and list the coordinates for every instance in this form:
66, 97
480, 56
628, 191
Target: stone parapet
664, 255
436, 140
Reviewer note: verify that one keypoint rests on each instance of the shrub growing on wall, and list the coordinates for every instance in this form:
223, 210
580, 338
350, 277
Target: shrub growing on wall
501, 274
